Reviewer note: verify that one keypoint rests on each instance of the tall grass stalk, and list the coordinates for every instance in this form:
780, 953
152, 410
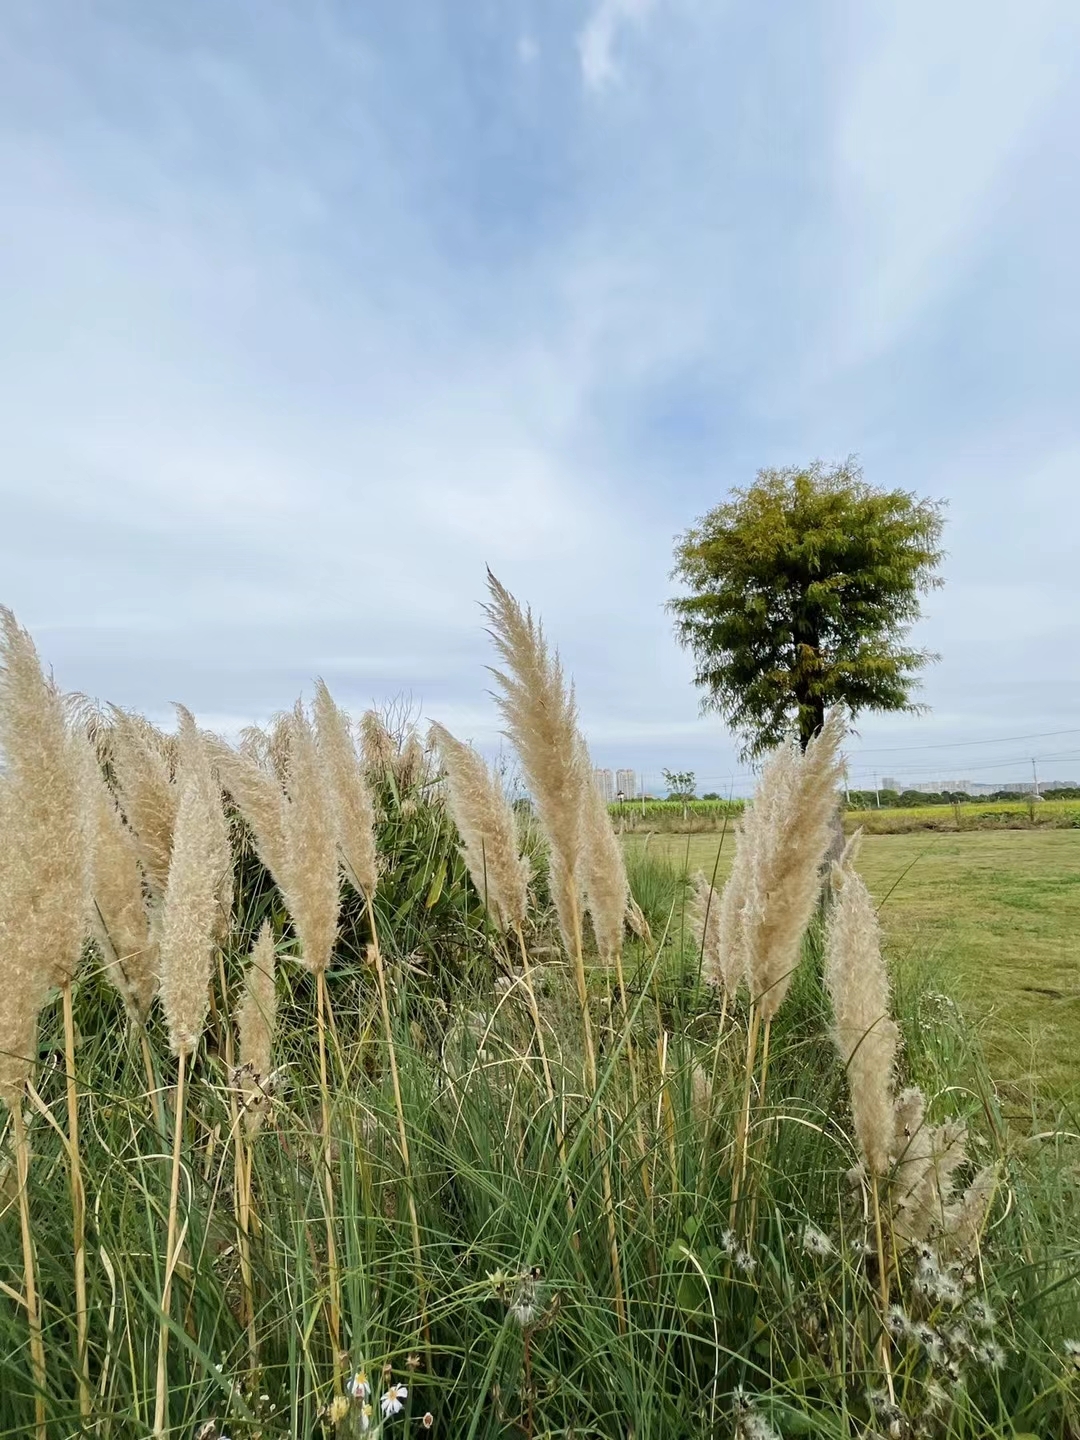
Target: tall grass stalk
33, 1311
78, 1206
172, 1255
399, 1108
637, 1309
333, 1275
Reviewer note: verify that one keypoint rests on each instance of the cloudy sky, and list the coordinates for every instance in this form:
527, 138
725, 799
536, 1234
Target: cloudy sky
311, 310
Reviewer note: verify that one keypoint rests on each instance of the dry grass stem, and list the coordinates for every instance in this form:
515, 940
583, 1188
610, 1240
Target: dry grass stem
172, 1249
33, 1311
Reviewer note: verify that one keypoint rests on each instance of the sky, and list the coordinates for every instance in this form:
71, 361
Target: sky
311, 311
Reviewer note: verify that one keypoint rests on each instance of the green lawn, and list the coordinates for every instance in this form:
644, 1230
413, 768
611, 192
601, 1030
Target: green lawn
997, 913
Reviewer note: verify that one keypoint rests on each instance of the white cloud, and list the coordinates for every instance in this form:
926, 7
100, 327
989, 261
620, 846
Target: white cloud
597, 41
944, 103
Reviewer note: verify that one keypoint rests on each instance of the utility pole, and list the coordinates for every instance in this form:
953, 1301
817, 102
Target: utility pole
877, 791
1035, 778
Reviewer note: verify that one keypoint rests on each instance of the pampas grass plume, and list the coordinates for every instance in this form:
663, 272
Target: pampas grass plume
865, 1034
190, 911
353, 806
256, 1019
603, 869
196, 750
538, 708
378, 751
142, 771
45, 855
309, 882
256, 790
784, 837
486, 824
119, 918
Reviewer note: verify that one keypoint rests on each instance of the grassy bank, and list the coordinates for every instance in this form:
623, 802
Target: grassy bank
994, 915
699, 817
1018, 814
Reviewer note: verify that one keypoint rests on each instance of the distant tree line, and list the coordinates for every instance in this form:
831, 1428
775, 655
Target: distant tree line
906, 799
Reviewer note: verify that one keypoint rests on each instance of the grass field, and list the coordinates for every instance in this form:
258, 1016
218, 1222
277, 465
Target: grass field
1018, 814
997, 913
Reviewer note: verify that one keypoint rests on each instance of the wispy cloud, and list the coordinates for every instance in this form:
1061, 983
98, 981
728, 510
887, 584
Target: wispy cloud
311, 318
599, 38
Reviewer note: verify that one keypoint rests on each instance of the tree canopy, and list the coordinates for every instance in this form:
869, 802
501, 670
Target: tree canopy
803, 588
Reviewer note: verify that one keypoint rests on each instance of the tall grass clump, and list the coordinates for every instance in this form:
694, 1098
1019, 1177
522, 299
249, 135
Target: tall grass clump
380, 1105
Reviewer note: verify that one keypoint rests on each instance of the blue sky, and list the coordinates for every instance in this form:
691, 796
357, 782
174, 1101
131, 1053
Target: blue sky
312, 310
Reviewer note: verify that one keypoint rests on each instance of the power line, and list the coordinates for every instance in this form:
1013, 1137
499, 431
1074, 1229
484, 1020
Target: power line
960, 744
868, 770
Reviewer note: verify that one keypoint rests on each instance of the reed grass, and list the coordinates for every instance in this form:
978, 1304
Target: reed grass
400, 1145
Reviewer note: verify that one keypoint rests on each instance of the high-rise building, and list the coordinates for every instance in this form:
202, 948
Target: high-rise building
625, 783
604, 781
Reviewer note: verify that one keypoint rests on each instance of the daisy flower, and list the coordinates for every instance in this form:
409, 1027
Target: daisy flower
393, 1402
358, 1386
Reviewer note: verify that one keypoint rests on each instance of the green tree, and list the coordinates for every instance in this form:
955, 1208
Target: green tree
802, 590
680, 783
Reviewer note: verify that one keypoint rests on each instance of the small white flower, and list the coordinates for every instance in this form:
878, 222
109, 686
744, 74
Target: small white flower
393, 1402
1072, 1353
365, 1419
816, 1242
899, 1325
931, 1342
990, 1355
728, 1242
744, 1261
523, 1312
358, 1386
754, 1426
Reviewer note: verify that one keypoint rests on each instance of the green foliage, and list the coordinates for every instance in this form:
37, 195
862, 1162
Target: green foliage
802, 589
946, 812
680, 783
514, 1329
681, 816
510, 1327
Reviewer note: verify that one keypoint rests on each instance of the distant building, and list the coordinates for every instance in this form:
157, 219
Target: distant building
929, 787
626, 782
968, 787
604, 781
